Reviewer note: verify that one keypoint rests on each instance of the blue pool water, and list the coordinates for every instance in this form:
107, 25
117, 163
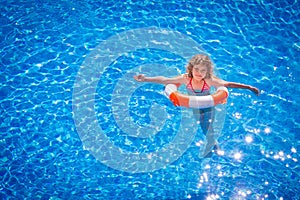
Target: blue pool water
50, 148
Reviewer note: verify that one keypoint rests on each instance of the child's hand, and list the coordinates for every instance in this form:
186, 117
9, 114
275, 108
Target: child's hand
140, 78
255, 90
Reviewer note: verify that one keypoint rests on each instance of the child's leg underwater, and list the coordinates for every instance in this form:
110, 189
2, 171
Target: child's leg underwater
207, 117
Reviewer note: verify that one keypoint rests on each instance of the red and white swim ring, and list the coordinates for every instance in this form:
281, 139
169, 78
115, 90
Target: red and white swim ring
178, 99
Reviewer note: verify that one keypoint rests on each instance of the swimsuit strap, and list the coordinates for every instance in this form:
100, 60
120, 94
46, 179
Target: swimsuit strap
190, 83
204, 84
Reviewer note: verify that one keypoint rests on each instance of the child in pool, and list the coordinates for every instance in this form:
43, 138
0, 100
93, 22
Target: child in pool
198, 80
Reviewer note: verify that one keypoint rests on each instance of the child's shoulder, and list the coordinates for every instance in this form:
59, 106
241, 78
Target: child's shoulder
185, 78
214, 81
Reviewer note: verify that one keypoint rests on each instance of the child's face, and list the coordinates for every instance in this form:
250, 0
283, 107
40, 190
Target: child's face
199, 72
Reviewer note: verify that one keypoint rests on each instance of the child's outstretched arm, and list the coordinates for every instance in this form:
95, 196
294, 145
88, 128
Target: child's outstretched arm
160, 79
216, 82
242, 86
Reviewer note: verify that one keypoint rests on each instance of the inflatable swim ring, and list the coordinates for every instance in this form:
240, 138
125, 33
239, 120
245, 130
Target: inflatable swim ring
178, 99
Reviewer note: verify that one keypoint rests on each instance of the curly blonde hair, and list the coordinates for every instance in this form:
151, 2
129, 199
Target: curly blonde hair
200, 59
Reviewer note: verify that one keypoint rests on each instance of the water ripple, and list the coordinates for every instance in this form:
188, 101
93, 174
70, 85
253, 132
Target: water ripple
42, 46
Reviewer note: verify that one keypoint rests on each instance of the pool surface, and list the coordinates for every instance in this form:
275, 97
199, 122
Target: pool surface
75, 125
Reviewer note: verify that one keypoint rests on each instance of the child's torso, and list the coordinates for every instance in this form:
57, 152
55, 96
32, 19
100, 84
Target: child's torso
197, 92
